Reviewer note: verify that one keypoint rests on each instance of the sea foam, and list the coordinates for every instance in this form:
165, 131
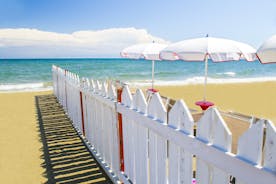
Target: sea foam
200, 80
25, 87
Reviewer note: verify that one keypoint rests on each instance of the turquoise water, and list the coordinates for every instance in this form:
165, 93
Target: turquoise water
30, 74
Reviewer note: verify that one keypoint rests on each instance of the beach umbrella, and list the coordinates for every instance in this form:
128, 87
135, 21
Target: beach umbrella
208, 48
267, 51
147, 51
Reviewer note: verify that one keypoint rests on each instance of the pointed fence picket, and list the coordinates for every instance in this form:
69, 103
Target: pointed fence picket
212, 129
140, 137
180, 161
128, 133
157, 152
157, 144
270, 148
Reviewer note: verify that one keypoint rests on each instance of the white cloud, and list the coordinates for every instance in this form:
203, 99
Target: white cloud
20, 43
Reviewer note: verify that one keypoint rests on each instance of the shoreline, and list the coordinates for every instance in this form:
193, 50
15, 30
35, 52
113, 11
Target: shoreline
47, 86
26, 91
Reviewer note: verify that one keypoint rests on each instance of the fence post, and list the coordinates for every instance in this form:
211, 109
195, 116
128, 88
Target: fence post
120, 125
82, 115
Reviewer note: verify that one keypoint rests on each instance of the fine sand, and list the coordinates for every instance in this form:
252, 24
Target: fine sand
21, 153
253, 99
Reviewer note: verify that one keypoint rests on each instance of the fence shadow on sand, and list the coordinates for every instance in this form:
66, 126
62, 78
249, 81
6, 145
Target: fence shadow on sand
67, 159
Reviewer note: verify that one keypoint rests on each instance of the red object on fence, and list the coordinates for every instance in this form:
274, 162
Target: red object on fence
153, 90
204, 104
82, 116
120, 123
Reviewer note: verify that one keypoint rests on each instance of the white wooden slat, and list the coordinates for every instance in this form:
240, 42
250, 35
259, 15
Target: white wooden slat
115, 144
103, 124
104, 88
180, 161
93, 123
97, 87
250, 143
87, 84
140, 141
106, 133
127, 101
212, 129
102, 131
84, 104
92, 84
88, 127
97, 126
111, 91
157, 144
270, 148
109, 137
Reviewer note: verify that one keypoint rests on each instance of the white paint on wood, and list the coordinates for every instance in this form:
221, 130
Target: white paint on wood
157, 144
180, 161
104, 88
111, 91
213, 130
181, 118
250, 143
97, 86
126, 97
127, 134
270, 148
140, 141
92, 84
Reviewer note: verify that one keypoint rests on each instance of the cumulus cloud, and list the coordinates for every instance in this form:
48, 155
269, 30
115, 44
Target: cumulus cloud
21, 43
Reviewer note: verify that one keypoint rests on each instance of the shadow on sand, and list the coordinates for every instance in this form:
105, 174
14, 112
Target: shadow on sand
67, 159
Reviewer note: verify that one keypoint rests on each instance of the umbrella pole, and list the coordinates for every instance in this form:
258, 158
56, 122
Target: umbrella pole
205, 79
152, 75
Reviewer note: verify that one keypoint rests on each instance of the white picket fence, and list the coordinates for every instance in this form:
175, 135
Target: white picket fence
159, 146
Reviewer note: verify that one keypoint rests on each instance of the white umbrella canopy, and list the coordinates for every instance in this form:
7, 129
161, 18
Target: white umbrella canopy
267, 51
216, 49
148, 51
202, 49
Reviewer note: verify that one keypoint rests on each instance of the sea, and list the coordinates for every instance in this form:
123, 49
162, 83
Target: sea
35, 74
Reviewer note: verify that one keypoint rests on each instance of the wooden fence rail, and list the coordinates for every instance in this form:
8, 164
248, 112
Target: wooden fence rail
157, 146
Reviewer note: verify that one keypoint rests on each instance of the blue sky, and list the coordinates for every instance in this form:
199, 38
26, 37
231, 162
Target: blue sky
250, 21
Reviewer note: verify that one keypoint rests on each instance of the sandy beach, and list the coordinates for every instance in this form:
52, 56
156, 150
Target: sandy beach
255, 99
21, 154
